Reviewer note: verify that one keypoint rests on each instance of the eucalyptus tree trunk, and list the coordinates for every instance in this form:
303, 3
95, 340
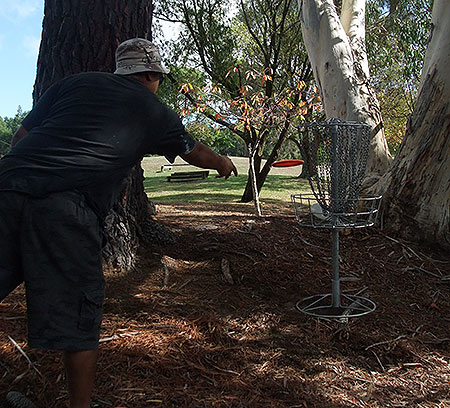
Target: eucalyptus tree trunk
416, 189
80, 36
337, 52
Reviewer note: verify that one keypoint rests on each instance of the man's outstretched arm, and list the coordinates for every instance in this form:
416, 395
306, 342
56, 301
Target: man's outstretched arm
203, 156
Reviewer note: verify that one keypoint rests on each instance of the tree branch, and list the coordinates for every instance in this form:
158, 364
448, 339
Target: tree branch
209, 115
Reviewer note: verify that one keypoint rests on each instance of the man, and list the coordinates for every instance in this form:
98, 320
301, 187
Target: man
58, 183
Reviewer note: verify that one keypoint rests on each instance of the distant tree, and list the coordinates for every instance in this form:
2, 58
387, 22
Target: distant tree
5, 137
82, 36
396, 36
219, 138
8, 127
396, 108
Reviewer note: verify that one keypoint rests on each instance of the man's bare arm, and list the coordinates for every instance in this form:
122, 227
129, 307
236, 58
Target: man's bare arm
203, 156
19, 135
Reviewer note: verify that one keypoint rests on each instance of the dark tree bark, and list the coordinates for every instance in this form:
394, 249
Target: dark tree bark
80, 36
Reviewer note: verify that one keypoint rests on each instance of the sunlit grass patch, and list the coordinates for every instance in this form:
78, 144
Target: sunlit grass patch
277, 188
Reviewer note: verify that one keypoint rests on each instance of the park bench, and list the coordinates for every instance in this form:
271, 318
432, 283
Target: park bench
188, 175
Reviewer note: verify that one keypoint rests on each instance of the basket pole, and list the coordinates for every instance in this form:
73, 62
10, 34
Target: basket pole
335, 287
336, 282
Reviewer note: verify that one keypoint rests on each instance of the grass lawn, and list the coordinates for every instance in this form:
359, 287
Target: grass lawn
279, 186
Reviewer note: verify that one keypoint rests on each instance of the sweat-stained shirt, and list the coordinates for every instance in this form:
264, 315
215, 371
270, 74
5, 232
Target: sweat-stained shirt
86, 133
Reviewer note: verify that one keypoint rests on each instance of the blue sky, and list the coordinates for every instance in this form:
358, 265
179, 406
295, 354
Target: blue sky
20, 34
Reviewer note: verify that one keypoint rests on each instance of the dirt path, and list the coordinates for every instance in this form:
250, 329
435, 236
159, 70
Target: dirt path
178, 332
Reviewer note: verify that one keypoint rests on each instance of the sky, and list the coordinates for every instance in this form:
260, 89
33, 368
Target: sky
20, 35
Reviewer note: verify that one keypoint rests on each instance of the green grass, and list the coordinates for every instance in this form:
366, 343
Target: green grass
276, 189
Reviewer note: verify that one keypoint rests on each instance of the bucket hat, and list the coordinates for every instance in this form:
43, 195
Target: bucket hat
138, 55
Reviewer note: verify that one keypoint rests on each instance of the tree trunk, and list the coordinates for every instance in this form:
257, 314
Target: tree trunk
248, 194
252, 178
337, 52
80, 36
260, 175
416, 200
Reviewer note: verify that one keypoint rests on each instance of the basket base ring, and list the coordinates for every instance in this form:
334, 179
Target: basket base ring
321, 306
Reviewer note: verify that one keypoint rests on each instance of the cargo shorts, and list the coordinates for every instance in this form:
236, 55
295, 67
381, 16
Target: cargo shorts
54, 245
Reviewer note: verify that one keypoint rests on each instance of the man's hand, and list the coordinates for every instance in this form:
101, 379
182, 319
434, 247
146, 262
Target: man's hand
227, 168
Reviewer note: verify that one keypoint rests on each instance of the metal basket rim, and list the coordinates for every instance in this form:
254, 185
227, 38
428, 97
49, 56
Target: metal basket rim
311, 196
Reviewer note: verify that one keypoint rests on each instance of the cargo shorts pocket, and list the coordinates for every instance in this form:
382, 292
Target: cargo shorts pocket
91, 310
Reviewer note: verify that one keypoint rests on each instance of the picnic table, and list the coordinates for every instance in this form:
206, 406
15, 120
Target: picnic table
188, 175
170, 166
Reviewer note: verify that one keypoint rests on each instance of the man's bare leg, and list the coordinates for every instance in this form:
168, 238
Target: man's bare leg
80, 370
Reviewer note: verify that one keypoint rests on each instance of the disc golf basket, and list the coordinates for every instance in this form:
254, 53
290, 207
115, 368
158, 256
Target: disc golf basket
335, 156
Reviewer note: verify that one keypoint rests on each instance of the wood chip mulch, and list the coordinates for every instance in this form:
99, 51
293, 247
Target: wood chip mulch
211, 321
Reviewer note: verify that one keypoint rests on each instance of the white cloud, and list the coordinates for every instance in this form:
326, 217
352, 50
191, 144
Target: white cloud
31, 45
16, 9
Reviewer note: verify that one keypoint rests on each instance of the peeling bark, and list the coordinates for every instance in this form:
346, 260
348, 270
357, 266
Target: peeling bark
416, 189
336, 47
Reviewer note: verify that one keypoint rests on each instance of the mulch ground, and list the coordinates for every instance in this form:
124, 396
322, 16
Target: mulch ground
180, 331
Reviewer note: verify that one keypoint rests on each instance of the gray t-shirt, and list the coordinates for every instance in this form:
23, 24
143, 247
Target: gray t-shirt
86, 133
